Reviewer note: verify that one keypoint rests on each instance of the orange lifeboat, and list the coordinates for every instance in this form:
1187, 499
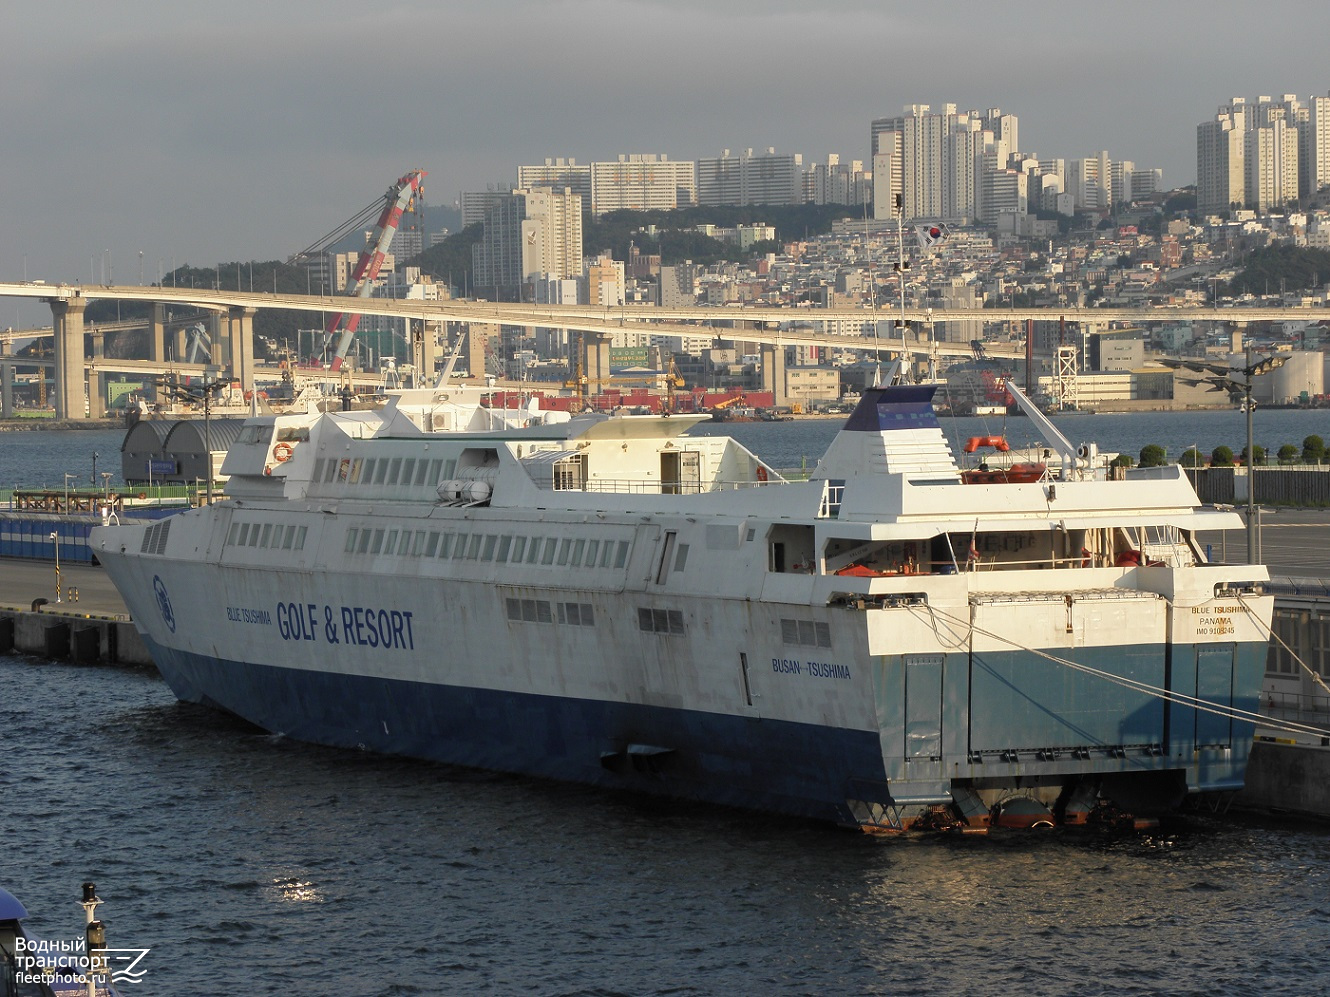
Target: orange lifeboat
984, 475
1016, 474
998, 443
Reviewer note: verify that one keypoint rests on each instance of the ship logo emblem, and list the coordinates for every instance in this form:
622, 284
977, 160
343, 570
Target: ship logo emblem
164, 602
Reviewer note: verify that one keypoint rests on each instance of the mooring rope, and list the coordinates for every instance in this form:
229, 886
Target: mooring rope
1274, 636
1169, 695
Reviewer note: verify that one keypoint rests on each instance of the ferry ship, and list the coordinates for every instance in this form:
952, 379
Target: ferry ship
604, 599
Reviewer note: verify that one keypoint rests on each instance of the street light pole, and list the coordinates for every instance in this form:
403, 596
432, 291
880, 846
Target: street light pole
208, 436
1227, 379
203, 393
1251, 465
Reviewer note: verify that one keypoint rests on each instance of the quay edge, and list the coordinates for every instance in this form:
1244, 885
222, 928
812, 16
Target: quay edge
80, 638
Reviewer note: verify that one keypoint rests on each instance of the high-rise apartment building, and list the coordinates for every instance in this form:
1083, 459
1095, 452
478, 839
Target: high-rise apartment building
1270, 153
765, 178
1264, 153
1004, 192
642, 182
834, 182
969, 154
337, 269
678, 286
1318, 145
886, 174
1297, 117
1090, 182
1143, 183
937, 161
559, 174
528, 235
1119, 180
605, 281
553, 233
1220, 159
476, 204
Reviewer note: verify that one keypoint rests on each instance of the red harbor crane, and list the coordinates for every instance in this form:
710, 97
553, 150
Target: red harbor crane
397, 200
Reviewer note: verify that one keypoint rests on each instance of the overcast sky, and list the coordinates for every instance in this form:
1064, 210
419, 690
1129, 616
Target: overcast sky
245, 129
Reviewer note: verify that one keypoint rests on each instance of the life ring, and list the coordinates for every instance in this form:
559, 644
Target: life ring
761, 473
282, 452
142, 496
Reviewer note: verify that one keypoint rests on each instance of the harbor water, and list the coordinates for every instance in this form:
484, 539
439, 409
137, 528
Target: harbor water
248, 863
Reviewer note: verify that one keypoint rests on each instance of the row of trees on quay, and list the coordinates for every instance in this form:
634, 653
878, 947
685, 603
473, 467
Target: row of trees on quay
1313, 451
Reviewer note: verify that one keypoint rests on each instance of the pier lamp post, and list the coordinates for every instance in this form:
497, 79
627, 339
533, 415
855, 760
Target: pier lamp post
55, 543
1237, 381
95, 455
68, 477
106, 483
200, 392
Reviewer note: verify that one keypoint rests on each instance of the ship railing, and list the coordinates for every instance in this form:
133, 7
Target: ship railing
1301, 707
985, 563
652, 486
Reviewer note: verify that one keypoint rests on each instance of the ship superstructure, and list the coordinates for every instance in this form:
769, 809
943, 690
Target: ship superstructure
607, 600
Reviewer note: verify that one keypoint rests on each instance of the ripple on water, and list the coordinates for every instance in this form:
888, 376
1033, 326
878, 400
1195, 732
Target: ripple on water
244, 860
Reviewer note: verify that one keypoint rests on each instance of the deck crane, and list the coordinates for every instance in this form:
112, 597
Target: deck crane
397, 200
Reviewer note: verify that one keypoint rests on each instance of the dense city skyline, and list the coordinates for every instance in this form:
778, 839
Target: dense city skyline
246, 131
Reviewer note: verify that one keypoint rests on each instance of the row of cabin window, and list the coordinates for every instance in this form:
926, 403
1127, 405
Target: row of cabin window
660, 621
805, 633
274, 535
253, 433
1308, 640
573, 614
565, 552
387, 471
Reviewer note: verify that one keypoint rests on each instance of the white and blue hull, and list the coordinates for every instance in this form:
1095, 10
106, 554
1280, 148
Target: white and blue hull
608, 602
433, 668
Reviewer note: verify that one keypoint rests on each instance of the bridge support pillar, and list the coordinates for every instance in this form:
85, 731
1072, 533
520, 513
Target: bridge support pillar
216, 338
157, 333
597, 346
1237, 331
240, 339
67, 324
6, 383
96, 395
773, 373
98, 344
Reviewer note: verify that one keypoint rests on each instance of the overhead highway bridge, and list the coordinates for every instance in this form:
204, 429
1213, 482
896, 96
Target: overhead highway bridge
771, 328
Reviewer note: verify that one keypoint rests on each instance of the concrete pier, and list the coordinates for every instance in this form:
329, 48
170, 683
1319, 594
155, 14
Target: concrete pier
90, 625
1285, 777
